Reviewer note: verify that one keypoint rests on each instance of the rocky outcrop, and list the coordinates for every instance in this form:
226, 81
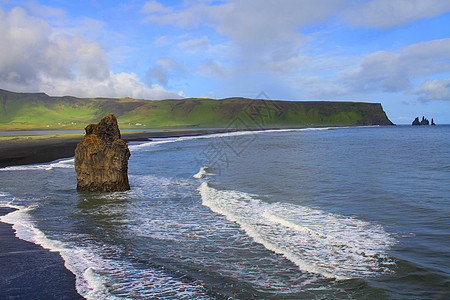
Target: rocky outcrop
424, 121
101, 158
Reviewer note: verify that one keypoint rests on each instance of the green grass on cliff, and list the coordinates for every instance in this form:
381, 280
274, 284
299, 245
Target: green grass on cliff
22, 111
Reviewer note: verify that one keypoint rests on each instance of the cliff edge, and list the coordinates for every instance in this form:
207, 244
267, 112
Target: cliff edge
24, 111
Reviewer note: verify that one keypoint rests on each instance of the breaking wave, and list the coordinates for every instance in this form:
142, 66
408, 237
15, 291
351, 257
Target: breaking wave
332, 245
202, 173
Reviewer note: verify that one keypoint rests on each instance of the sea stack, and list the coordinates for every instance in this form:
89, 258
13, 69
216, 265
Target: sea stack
101, 158
423, 122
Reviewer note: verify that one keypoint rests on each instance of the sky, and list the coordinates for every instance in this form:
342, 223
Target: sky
395, 52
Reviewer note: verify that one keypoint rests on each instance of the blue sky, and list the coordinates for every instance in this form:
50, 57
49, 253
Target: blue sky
396, 52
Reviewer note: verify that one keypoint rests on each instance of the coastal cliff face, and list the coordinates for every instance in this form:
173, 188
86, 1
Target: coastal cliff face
241, 113
101, 158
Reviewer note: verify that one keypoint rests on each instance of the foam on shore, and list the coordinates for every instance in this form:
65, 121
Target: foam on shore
98, 274
61, 164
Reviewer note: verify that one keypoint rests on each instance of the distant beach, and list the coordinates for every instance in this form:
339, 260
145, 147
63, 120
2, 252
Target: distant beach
24, 150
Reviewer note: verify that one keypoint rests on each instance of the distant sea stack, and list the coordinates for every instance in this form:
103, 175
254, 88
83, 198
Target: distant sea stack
101, 158
424, 121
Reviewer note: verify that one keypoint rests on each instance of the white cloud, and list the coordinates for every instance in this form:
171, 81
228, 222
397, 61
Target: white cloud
195, 45
155, 7
37, 57
249, 21
264, 34
114, 85
192, 16
167, 63
384, 72
162, 40
267, 35
272, 21
162, 70
386, 14
392, 71
438, 89
212, 69
43, 10
20, 35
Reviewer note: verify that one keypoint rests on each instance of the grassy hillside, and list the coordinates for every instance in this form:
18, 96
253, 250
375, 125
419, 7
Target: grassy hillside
21, 111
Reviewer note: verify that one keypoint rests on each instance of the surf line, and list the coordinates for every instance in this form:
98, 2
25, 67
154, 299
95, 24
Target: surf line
331, 245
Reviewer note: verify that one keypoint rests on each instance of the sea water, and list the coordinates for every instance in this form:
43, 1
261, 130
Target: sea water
320, 213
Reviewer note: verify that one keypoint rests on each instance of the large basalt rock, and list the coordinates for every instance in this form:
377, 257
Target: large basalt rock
101, 158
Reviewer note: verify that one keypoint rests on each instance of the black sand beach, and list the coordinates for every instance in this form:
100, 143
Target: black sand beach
25, 151
28, 271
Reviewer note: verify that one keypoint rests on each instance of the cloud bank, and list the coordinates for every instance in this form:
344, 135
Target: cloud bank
274, 39
392, 71
438, 89
264, 35
36, 57
387, 14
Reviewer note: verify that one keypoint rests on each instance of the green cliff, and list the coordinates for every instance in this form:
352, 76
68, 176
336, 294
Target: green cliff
40, 111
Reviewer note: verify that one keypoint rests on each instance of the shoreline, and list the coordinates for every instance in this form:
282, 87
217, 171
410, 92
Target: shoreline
18, 150
29, 271
28, 150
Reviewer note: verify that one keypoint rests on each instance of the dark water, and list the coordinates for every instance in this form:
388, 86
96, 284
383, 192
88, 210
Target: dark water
348, 213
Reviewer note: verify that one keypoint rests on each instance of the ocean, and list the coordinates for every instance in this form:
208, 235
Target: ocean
314, 213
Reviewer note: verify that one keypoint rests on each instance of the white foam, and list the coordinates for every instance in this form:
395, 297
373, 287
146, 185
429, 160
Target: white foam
250, 132
202, 173
144, 146
155, 142
160, 187
59, 164
290, 224
332, 245
98, 276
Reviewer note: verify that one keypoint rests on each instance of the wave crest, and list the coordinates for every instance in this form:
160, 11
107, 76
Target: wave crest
316, 241
202, 173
